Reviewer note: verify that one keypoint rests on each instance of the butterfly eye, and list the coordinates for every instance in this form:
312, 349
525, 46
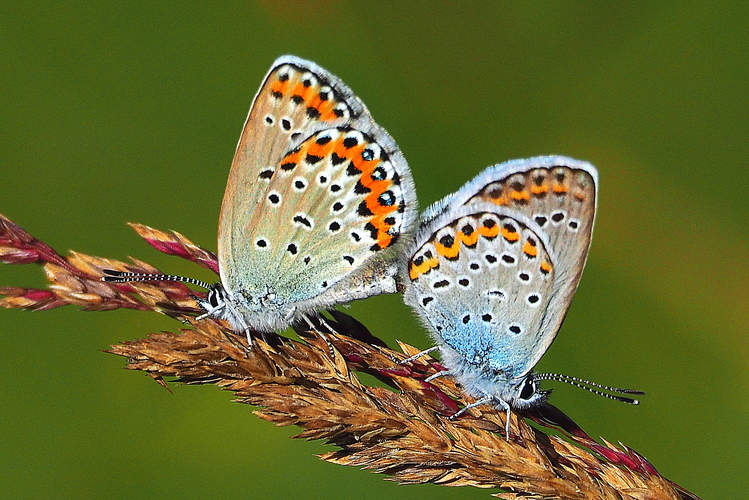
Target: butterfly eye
213, 299
529, 389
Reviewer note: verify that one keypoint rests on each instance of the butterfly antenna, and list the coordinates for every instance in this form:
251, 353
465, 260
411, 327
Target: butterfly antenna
112, 276
592, 387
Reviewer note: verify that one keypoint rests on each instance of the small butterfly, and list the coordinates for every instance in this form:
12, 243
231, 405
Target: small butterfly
318, 202
493, 269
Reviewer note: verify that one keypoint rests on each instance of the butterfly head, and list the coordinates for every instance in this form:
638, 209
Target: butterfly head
265, 312
218, 304
527, 393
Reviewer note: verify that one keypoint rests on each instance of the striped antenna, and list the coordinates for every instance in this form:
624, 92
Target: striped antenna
592, 387
112, 276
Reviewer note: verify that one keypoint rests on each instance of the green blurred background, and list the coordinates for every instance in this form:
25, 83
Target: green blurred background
130, 112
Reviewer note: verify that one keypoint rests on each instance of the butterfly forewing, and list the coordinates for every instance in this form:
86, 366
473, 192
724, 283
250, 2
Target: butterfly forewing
559, 196
482, 277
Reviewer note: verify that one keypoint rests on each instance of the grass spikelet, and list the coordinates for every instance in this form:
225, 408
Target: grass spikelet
402, 430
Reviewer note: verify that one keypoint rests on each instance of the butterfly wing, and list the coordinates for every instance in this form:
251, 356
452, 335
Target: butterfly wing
318, 194
560, 195
483, 279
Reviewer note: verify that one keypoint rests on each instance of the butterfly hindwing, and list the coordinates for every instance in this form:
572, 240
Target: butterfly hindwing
483, 278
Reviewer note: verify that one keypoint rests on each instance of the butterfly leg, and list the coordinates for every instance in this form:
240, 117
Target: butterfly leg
482, 401
202, 316
506, 407
418, 355
487, 400
314, 327
243, 327
437, 375
290, 314
248, 334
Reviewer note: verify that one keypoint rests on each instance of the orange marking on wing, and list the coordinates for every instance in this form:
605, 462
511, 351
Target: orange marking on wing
302, 91
511, 236
545, 267
293, 157
489, 232
376, 187
447, 252
530, 249
496, 195
542, 189
340, 149
415, 271
384, 239
580, 195
366, 168
325, 108
327, 112
360, 163
280, 87
560, 188
520, 195
321, 150
468, 239
314, 102
379, 217
354, 154
379, 210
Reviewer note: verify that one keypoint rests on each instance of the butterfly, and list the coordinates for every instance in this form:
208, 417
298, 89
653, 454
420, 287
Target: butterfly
493, 269
318, 206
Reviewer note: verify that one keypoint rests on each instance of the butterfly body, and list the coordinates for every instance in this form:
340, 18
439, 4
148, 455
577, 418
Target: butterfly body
493, 269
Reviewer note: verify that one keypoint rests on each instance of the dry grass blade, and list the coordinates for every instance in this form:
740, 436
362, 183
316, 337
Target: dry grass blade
174, 243
401, 429
76, 279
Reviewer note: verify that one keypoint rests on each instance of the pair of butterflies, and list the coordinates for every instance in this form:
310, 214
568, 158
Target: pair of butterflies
320, 209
